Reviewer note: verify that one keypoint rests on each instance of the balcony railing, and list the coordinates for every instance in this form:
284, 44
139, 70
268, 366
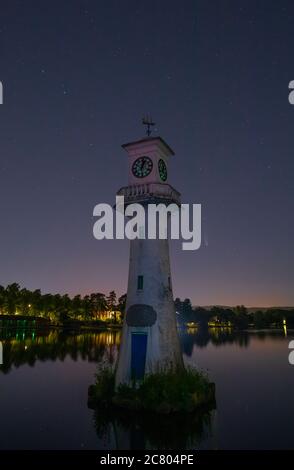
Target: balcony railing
148, 192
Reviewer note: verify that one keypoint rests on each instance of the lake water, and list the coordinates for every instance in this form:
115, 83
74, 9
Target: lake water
45, 377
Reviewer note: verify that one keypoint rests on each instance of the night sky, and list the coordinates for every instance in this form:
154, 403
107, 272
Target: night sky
214, 74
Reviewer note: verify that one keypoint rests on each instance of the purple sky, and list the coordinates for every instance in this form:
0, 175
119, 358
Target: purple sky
77, 78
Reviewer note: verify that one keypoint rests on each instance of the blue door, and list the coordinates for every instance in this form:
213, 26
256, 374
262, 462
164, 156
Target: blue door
138, 355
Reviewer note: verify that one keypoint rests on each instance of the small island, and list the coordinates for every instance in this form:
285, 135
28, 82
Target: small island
163, 392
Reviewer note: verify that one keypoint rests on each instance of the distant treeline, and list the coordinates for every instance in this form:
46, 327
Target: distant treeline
60, 308
237, 317
100, 307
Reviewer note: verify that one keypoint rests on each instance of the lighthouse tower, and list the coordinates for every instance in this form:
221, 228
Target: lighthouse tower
149, 339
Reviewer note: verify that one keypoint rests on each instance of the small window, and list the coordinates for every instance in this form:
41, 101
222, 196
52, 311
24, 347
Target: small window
140, 283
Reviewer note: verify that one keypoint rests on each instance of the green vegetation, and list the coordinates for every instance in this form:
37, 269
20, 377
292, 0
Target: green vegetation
100, 309
237, 317
61, 308
166, 391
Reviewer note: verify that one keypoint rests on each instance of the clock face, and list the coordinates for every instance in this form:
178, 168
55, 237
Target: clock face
142, 167
162, 170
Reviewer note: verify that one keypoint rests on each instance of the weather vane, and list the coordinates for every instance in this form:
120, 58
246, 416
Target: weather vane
147, 121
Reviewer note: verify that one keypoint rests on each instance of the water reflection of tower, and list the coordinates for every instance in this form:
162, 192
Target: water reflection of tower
120, 431
149, 337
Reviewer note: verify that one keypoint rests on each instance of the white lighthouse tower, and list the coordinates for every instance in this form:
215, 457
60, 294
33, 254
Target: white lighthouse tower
150, 339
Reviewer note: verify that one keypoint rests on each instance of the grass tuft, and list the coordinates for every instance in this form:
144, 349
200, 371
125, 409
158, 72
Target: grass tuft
165, 391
